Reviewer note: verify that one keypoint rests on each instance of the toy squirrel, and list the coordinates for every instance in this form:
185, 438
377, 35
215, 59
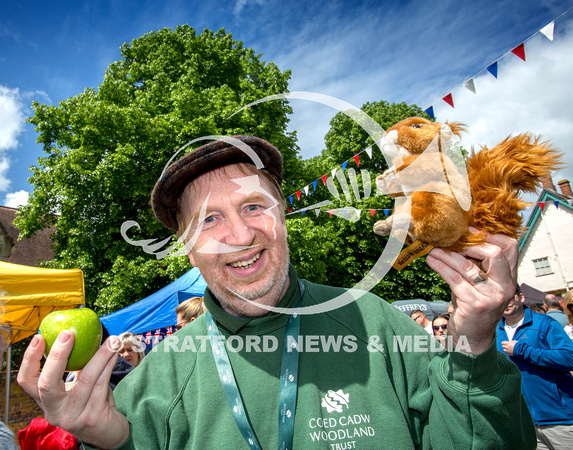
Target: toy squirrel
449, 194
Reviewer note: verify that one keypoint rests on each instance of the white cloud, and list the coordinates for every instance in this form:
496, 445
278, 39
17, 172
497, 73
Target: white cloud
240, 4
11, 117
4, 181
15, 199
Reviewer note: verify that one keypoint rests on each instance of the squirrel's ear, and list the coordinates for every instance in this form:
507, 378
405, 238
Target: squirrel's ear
457, 128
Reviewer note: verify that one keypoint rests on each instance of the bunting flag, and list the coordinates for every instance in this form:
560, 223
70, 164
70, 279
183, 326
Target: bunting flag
344, 164
317, 211
333, 172
290, 198
541, 205
493, 69
290, 210
430, 112
386, 212
306, 190
372, 212
449, 100
356, 160
570, 202
556, 203
298, 194
314, 184
324, 177
369, 152
470, 86
519, 51
330, 211
547, 30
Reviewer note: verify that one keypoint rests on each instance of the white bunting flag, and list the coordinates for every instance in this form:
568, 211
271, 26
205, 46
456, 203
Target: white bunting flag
547, 31
469, 85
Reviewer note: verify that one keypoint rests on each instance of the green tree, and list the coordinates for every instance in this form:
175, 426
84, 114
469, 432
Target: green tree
105, 148
331, 250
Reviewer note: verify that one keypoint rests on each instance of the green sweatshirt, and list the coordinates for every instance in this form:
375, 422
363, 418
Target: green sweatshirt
368, 379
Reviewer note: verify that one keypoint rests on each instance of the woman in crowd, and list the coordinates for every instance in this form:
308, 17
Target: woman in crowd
132, 349
188, 311
440, 326
568, 306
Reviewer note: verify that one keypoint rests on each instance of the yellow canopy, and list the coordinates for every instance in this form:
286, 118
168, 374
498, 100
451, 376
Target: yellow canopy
28, 294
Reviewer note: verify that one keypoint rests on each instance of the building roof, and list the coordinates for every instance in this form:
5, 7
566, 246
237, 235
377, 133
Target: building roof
545, 197
30, 251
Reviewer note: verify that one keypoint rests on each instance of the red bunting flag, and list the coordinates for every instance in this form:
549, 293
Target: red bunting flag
372, 211
324, 179
449, 100
330, 211
298, 194
541, 205
519, 51
356, 160
290, 210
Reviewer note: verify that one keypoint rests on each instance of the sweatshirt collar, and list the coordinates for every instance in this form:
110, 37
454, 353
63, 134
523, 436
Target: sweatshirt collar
255, 325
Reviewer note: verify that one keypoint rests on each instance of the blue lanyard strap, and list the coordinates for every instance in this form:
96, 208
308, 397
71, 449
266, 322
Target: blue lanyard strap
287, 389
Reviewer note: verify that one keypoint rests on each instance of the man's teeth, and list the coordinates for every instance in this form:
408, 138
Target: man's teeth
248, 263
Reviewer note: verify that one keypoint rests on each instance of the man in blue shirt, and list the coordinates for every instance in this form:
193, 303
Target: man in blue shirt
554, 309
543, 352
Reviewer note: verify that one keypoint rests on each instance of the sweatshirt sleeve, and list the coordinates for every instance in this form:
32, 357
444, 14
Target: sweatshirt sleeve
559, 356
480, 394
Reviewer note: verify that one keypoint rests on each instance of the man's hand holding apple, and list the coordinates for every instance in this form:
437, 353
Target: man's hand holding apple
87, 410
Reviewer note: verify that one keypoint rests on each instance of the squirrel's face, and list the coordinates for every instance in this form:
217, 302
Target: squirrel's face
414, 135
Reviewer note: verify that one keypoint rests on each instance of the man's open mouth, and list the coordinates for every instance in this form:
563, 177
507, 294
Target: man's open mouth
247, 263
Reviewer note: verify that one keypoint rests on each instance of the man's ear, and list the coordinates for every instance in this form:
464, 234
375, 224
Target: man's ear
191, 258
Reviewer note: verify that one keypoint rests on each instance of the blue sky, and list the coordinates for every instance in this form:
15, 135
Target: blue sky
359, 51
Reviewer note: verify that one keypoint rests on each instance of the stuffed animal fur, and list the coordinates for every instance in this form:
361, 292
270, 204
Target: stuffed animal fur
441, 206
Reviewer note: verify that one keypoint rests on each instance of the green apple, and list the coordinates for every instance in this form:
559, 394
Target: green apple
86, 327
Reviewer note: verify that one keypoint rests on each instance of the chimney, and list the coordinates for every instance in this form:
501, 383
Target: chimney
565, 188
548, 184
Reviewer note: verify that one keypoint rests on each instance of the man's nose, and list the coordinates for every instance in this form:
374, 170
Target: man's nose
239, 232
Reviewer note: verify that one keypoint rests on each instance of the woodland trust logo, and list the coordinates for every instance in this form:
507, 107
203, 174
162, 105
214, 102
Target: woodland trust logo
400, 224
334, 401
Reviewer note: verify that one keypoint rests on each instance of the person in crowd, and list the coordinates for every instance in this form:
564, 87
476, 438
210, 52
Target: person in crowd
188, 310
543, 352
6, 436
280, 384
440, 327
568, 305
554, 310
132, 349
451, 307
534, 307
421, 319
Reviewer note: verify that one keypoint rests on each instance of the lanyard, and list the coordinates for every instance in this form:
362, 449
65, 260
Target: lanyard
287, 388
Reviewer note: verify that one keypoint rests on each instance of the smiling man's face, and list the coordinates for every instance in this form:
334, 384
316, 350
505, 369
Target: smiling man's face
241, 248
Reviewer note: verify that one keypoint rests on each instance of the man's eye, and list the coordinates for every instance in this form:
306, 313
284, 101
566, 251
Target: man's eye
253, 207
209, 219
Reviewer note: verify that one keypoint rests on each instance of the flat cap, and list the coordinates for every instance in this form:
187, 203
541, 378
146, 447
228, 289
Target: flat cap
227, 150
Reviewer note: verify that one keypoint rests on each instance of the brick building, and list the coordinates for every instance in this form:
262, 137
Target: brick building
28, 252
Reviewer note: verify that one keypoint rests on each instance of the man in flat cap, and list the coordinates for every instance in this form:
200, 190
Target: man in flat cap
250, 373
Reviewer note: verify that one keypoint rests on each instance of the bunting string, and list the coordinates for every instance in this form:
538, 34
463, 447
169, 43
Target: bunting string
518, 51
492, 68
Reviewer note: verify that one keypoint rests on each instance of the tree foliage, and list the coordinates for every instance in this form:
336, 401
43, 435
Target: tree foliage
331, 250
105, 148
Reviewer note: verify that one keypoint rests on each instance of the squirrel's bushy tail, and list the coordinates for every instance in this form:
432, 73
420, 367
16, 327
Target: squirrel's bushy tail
498, 175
